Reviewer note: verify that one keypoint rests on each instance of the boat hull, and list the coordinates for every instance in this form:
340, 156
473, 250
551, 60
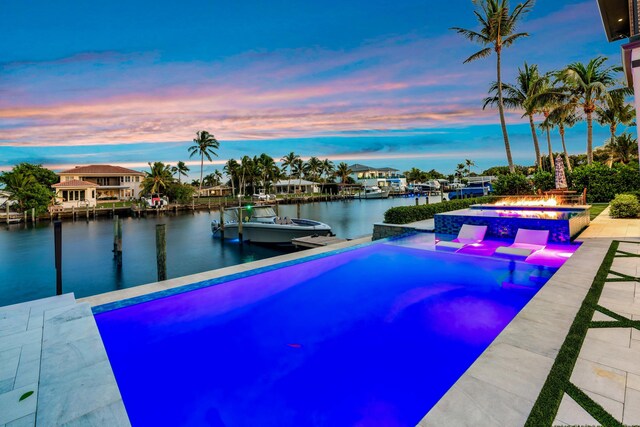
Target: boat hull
272, 233
381, 195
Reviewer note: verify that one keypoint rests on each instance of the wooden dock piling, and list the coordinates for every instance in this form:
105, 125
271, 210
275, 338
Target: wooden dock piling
222, 223
161, 252
240, 233
33, 215
57, 239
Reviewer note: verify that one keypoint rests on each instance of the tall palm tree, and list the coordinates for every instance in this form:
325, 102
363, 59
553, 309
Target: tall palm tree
622, 148
561, 117
265, 164
181, 170
314, 165
287, 164
521, 96
204, 146
157, 178
589, 84
327, 168
231, 169
343, 171
497, 31
614, 112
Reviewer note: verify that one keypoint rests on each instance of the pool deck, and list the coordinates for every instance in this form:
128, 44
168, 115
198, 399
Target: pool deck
500, 388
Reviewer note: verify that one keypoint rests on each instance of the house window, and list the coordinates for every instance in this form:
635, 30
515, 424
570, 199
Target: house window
127, 179
65, 195
93, 194
137, 179
81, 194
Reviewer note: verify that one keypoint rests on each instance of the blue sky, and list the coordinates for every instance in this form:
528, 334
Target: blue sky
374, 82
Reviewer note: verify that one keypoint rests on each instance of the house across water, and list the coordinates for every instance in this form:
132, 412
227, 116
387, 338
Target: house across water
88, 185
382, 177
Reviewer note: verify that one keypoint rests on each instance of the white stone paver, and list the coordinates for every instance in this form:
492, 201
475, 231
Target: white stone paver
570, 413
51, 349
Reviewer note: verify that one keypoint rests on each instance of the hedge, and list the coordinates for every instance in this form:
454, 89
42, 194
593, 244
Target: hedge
603, 183
625, 206
407, 214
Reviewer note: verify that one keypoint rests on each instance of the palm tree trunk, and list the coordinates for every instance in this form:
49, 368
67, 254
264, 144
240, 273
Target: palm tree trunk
589, 138
536, 146
201, 169
564, 148
503, 124
551, 164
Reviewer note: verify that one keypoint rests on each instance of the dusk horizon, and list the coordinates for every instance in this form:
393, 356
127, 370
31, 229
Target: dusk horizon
383, 85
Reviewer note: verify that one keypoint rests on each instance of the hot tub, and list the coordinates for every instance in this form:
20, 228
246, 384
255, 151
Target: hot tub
563, 222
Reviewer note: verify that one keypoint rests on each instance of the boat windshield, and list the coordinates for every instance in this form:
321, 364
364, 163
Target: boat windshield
263, 212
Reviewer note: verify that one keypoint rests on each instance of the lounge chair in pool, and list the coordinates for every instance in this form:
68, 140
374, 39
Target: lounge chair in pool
526, 243
468, 234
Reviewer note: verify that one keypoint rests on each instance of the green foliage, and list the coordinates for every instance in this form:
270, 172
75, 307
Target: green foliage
407, 214
504, 170
603, 183
544, 181
513, 184
625, 206
180, 193
44, 176
30, 186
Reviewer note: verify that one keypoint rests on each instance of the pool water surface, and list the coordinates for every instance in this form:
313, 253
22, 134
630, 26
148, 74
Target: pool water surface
370, 336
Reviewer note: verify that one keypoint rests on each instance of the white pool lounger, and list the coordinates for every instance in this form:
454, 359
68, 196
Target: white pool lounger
526, 243
468, 234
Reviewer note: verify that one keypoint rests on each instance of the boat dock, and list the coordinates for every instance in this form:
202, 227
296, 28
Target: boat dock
316, 241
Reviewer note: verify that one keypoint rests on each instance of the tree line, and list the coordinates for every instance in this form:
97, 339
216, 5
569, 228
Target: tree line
554, 99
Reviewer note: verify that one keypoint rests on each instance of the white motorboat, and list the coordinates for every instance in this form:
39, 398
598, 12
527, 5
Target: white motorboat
261, 225
373, 192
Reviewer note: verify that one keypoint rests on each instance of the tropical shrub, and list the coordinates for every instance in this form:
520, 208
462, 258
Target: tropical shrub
544, 181
603, 183
513, 184
407, 214
625, 206
180, 193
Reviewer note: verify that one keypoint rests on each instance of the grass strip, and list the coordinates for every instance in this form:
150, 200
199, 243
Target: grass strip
592, 407
626, 254
546, 406
615, 324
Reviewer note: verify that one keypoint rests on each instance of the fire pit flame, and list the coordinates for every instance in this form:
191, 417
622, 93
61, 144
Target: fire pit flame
551, 201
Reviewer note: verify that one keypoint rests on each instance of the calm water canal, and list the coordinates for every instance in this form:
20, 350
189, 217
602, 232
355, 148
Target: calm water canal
27, 258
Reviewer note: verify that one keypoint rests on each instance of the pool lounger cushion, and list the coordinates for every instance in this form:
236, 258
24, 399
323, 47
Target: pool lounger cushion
450, 246
516, 252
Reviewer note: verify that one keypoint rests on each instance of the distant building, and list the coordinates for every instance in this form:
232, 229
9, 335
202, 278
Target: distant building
215, 191
381, 177
296, 186
87, 185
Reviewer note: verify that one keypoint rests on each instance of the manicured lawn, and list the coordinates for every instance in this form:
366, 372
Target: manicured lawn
596, 208
118, 204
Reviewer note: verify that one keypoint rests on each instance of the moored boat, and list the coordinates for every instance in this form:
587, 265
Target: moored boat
260, 224
373, 192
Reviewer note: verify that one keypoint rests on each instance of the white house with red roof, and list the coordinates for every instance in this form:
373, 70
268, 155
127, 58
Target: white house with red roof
88, 185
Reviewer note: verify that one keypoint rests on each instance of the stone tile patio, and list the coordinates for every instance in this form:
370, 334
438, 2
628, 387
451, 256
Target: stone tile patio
54, 369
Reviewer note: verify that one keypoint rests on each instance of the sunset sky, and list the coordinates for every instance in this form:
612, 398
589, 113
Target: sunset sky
374, 82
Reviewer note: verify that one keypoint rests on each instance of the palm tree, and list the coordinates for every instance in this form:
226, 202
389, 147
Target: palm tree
157, 179
17, 185
468, 165
287, 164
497, 31
521, 96
231, 169
589, 84
314, 165
327, 169
343, 171
614, 112
622, 148
266, 164
181, 169
563, 116
204, 145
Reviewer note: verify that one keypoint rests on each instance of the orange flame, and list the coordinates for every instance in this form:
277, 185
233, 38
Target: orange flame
551, 201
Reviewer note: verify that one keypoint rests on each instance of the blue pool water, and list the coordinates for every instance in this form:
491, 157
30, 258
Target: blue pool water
371, 336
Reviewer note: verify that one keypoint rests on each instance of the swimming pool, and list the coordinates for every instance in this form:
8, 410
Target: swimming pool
369, 336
